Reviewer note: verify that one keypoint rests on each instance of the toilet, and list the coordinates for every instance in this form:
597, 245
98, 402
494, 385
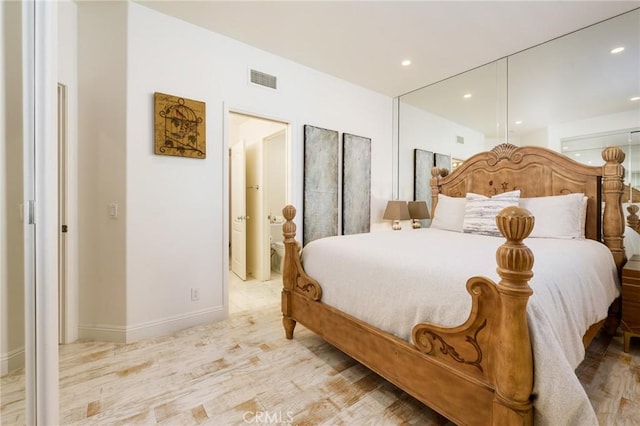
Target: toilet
277, 256
277, 248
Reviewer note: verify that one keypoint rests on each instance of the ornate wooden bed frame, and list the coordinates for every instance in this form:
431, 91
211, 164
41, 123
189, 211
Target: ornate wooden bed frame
455, 370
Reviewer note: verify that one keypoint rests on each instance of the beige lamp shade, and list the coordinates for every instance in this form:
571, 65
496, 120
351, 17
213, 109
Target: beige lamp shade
418, 210
396, 211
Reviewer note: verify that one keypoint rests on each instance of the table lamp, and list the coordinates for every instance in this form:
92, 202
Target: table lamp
396, 211
417, 211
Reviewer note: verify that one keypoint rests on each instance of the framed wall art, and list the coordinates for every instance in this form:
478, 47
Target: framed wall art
179, 126
443, 161
356, 184
320, 183
423, 162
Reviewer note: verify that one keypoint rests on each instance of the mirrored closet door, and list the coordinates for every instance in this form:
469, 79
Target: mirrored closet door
17, 242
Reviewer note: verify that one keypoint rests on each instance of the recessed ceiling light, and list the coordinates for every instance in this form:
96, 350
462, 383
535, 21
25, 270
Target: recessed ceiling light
467, 95
519, 122
617, 50
577, 154
406, 62
635, 98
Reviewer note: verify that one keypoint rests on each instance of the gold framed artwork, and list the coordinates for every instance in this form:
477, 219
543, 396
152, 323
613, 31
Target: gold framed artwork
179, 126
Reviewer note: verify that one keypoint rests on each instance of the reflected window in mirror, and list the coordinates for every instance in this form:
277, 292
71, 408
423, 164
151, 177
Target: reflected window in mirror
587, 149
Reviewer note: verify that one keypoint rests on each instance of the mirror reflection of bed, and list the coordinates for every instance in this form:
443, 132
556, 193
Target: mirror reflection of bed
632, 229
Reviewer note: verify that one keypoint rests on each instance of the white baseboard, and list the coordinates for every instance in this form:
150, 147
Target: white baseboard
11, 361
103, 333
150, 329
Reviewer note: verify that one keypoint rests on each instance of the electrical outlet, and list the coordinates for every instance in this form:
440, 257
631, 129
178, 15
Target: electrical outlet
195, 294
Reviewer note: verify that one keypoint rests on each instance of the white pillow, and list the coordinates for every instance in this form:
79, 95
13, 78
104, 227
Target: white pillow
449, 213
557, 216
480, 212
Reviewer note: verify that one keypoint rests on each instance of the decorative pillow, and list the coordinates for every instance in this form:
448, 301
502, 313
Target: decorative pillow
449, 213
557, 216
480, 212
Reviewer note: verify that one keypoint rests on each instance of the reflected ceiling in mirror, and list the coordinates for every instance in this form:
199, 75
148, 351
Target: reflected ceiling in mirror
568, 88
574, 85
475, 99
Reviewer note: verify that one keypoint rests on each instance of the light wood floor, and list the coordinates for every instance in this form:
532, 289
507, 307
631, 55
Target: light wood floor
243, 371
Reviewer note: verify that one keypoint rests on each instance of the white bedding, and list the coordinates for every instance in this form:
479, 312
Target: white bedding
396, 279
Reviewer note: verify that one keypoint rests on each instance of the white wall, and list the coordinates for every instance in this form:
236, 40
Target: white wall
102, 168
423, 130
172, 232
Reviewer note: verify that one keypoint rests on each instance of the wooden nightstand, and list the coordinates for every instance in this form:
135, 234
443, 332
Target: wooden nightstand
631, 300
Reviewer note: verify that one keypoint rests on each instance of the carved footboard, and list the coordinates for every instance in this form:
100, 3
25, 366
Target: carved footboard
480, 372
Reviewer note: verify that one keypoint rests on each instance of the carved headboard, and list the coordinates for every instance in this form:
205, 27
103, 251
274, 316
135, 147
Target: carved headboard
538, 172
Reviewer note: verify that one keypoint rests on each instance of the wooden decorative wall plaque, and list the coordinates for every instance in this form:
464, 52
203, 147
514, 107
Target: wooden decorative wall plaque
179, 126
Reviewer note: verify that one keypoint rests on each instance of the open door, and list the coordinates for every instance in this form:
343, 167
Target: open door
238, 211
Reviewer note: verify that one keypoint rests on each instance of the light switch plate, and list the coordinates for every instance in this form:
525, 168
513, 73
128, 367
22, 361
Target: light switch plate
113, 210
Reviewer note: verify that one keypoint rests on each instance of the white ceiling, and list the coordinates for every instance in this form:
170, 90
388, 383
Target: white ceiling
364, 41
568, 79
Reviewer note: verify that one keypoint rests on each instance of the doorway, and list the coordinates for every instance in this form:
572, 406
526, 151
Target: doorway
258, 189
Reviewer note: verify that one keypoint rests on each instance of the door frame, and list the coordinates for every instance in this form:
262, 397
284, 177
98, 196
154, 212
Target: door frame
62, 212
289, 126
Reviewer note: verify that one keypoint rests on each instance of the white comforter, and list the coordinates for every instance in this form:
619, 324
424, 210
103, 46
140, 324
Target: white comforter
396, 279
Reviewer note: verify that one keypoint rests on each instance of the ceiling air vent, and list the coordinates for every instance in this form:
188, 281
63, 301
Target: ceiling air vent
263, 79
460, 139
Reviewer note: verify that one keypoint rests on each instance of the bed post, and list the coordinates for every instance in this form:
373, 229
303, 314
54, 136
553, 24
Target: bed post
289, 268
435, 189
613, 221
513, 355
294, 278
613, 217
